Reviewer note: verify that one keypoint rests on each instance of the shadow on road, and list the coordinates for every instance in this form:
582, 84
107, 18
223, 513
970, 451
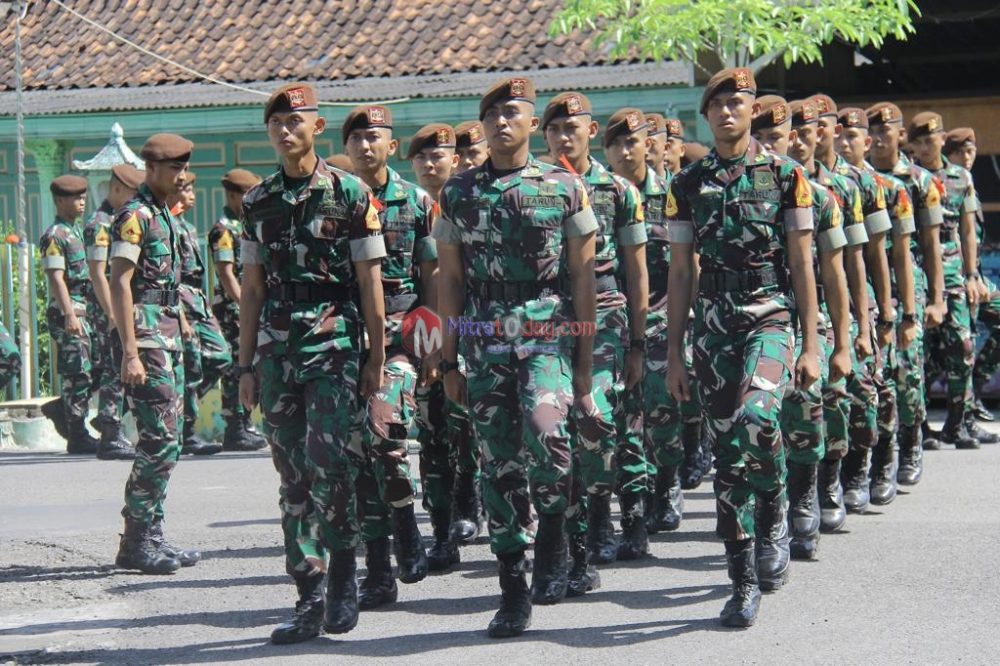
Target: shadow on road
19, 573
231, 553
246, 523
185, 584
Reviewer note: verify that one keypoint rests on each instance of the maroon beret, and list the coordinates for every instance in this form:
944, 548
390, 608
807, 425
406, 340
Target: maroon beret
166, 148
291, 97
68, 186
128, 175
734, 79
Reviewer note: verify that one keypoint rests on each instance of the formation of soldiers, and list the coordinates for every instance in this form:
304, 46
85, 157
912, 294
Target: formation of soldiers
773, 303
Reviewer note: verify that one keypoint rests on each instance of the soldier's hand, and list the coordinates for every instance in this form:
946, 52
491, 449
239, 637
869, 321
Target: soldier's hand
678, 382
371, 377
840, 366
984, 291
972, 291
583, 384
187, 331
248, 391
907, 334
634, 367
885, 334
863, 347
133, 372
429, 373
73, 325
807, 371
934, 315
455, 389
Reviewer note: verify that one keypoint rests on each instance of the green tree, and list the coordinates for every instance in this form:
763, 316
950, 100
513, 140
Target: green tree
741, 33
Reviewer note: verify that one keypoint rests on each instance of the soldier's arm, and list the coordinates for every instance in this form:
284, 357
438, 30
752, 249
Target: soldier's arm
833, 275
857, 283
804, 285
680, 281
369, 274
451, 294
637, 287
122, 270
253, 291
60, 294
227, 278
930, 218
102, 290
877, 265
580, 250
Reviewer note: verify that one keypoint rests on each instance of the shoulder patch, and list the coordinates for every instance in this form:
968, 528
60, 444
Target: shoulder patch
858, 211
225, 241
904, 207
803, 192
52, 249
933, 197
131, 230
879, 196
372, 222
670, 210
102, 239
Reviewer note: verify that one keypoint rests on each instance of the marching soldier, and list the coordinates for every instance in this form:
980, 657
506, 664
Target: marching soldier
748, 213
64, 261
125, 181
224, 241
516, 244
312, 249
145, 278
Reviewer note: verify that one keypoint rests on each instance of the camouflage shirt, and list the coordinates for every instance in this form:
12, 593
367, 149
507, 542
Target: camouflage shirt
97, 241
847, 197
192, 274
62, 249
224, 239
958, 197
924, 196
873, 208
313, 236
147, 235
654, 192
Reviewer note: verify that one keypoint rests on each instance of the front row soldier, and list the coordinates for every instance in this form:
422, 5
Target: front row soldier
516, 243
622, 297
312, 250
64, 261
107, 378
224, 241
145, 278
748, 213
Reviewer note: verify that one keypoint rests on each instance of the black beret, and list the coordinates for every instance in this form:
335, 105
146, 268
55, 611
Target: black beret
516, 88
68, 186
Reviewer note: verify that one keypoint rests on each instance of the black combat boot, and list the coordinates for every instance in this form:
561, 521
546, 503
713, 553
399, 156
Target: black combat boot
408, 545
583, 576
341, 613
187, 558
804, 512
379, 586
635, 540
954, 431
883, 471
666, 507
930, 441
832, 513
978, 433
308, 612
854, 477
741, 609
239, 438
980, 411
693, 469
444, 553
911, 456
601, 539
550, 576
55, 410
772, 542
80, 441
514, 616
114, 445
465, 527
194, 445
137, 551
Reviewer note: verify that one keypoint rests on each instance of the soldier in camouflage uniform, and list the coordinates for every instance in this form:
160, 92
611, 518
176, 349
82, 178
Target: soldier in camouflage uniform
10, 358
64, 261
145, 276
125, 180
312, 249
386, 485
207, 355
885, 122
516, 247
622, 300
749, 215
951, 347
657, 143
224, 241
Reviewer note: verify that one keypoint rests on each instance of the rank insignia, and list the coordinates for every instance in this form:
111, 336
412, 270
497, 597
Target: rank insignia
296, 98
853, 119
763, 179
779, 112
376, 115
932, 125
742, 77
442, 137
475, 136
633, 121
674, 127
886, 114
574, 106
517, 87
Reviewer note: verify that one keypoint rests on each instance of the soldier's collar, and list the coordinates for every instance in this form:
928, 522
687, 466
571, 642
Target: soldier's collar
653, 184
394, 190
597, 174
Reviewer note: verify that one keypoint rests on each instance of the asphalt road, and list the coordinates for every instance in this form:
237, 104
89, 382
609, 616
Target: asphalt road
914, 582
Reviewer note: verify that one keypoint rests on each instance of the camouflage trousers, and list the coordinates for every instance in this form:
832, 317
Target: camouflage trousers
447, 446
10, 358
74, 366
519, 405
863, 396
228, 316
312, 421
206, 358
743, 360
988, 358
157, 407
911, 408
803, 412
107, 377
664, 418
949, 348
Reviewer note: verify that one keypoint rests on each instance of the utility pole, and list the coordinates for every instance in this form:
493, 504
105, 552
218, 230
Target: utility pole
24, 305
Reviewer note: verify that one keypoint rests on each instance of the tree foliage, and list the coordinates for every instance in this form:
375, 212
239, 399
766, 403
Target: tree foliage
742, 33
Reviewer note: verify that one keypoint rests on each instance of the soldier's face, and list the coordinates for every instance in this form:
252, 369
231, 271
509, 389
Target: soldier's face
657, 150
853, 144
292, 134
166, 178
234, 201
186, 197
509, 125
776, 139
370, 148
434, 166
627, 152
928, 147
829, 131
71, 207
885, 140
472, 156
802, 142
965, 156
570, 136
729, 115
673, 154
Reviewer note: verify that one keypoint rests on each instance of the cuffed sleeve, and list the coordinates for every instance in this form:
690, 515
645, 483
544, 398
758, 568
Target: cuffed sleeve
126, 250
365, 249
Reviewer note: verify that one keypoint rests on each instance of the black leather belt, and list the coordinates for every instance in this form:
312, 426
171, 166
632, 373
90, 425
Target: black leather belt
309, 292
395, 303
163, 297
513, 291
718, 282
606, 283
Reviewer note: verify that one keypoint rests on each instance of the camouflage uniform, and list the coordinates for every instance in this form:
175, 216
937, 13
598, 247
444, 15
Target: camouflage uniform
147, 235
512, 230
224, 241
926, 200
616, 424
206, 355
10, 358
106, 375
405, 212
306, 238
737, 216
988, 313
62, 249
